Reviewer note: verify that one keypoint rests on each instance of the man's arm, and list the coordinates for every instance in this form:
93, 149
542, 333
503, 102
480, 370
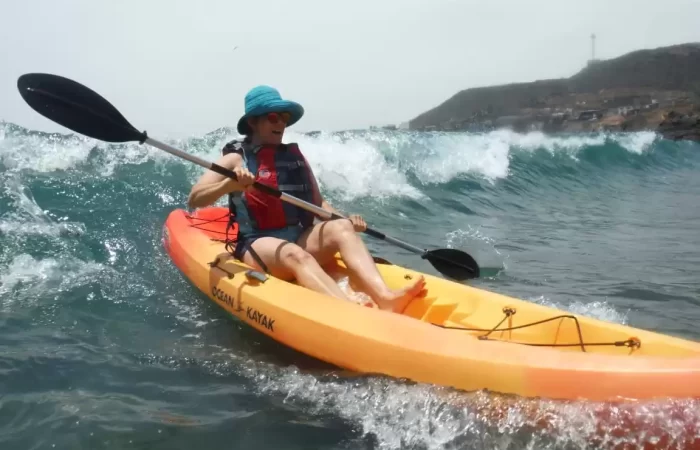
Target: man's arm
317, 196
212, 185
358, 222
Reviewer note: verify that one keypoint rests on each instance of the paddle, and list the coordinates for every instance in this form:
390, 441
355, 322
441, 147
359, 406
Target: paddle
84, 111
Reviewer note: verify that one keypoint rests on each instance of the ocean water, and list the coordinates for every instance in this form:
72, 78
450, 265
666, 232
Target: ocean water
104, 344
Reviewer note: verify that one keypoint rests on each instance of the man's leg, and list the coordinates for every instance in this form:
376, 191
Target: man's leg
324, 239
287, 261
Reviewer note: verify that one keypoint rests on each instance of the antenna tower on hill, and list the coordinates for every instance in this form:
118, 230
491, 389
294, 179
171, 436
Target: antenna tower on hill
592, 60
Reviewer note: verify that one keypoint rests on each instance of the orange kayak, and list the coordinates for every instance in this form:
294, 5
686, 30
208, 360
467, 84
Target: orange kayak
457, 336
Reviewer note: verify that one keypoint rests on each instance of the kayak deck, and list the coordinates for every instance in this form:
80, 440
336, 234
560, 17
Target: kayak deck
490, 316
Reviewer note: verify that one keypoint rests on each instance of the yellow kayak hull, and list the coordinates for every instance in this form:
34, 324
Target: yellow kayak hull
557, 358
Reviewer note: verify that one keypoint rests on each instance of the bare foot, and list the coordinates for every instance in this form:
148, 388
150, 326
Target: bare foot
399, 299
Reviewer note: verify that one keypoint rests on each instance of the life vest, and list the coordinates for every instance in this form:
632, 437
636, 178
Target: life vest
282, 167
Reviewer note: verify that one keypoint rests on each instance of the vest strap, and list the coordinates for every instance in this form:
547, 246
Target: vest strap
294, 187
290, 164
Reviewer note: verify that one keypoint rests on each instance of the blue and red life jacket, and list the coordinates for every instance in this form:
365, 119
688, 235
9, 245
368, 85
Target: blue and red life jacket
284, 168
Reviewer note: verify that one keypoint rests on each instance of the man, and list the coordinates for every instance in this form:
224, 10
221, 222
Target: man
281, 238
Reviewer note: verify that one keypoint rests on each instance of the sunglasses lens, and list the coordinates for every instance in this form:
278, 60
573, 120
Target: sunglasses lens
276, 117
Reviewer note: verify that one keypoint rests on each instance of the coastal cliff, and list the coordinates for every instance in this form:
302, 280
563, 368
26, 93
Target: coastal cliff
656, 89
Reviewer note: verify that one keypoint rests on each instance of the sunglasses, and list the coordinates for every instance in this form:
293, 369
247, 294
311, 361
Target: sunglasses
275, 117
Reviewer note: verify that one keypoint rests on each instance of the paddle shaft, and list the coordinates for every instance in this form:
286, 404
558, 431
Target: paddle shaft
276, 193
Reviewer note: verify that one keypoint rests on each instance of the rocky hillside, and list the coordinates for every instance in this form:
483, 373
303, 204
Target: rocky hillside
665, 68
636, 83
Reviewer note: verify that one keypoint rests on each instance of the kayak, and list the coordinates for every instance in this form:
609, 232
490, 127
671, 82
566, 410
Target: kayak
457, 335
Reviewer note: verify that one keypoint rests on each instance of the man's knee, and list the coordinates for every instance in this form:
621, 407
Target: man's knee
340, 229
295, 256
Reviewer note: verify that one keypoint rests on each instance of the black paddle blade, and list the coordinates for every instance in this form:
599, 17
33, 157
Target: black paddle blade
453, 263
76, 107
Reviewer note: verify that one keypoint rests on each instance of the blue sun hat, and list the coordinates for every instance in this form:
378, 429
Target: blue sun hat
265, 99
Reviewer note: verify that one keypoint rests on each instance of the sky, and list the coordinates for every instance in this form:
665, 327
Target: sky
178, 68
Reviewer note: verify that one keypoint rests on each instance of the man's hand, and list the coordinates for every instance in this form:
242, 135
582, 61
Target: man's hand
358, 222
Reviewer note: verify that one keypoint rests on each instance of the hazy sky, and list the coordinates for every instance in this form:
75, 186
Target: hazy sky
170, 66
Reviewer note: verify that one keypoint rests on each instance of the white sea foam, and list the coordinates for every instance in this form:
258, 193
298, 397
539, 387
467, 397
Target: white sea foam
26, 277
407, 415
597, 310
27, 217
351, 164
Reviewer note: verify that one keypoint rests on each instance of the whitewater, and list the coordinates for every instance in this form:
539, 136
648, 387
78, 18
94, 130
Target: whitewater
104, 344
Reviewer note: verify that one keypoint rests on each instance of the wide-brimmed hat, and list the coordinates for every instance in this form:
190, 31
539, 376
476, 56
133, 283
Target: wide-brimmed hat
265, 99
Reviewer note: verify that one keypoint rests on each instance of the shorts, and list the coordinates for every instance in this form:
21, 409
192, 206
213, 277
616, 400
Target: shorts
245, 240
